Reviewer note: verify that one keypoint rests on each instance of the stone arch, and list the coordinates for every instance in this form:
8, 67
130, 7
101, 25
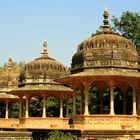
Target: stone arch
2, 109
13, 109
67, 106
129, 101
52, 106
79, 101
118, 101
35, 106
106, 101
94, 100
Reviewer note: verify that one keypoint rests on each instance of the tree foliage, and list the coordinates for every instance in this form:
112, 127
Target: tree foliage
128, 25
52, 104
94, 101
58, 135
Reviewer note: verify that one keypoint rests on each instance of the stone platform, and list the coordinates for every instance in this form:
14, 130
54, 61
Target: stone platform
35, 123
110, 135
106, 122
13, 135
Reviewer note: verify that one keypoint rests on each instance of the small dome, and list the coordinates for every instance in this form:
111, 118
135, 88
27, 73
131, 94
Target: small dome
9, 75
105, 49
44, 67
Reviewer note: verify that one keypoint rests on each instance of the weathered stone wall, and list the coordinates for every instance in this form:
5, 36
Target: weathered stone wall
110, 135
13, 135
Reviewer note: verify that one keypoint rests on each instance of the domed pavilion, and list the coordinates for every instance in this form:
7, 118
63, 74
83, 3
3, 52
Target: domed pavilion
110, 63
104, 83
9, 76
39, 82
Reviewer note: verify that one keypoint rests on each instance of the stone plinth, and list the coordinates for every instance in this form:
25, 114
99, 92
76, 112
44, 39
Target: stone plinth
10, 135
106, 122
35, 123
8, 123
110, 135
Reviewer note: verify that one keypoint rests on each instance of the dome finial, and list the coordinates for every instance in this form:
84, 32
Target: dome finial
105, 28
10, 62
45, 43
105, 14
45, 49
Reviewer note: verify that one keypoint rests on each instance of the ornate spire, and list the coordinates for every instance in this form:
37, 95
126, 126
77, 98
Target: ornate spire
45, 49
10, 61
105, 28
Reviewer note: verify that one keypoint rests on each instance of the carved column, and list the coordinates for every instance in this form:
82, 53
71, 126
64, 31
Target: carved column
6, 113
111, 100
86, 99
61, 107
27, 107
20, 106
81, 103
74, 104
134, 102
138, 104
44, 107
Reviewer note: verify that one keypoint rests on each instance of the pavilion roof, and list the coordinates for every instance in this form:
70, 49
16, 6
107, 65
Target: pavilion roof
4, 95
41, 89
90, 75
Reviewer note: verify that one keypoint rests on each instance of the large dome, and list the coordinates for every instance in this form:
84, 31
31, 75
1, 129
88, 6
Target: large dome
44, 67
105, 50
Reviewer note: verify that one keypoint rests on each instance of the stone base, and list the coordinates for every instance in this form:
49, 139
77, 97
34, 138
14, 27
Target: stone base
13, 135
43, 123
110, 135
106, 122
35, 123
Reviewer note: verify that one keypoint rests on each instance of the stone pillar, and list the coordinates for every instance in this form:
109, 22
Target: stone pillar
111, 100
134, 103
6, 113
74, 104
81, 103
61, 107
44, 107
67, 108
27, 107
86, 112
138, 104
20, 106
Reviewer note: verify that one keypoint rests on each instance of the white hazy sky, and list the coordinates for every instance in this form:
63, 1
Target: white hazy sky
25, 24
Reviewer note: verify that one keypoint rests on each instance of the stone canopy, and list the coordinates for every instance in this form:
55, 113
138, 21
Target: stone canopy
44, 67
105, 49
105, 67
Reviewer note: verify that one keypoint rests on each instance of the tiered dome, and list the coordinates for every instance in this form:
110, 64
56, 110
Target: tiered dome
105, 49
44, 67
9, 75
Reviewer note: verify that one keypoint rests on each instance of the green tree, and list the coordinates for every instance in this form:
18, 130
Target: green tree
128, 25
58, 135
94, 101
52, 104
36, 106
14, 110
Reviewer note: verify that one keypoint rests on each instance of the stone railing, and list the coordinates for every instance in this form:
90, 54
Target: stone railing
107, 122
9, 123
48, 123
